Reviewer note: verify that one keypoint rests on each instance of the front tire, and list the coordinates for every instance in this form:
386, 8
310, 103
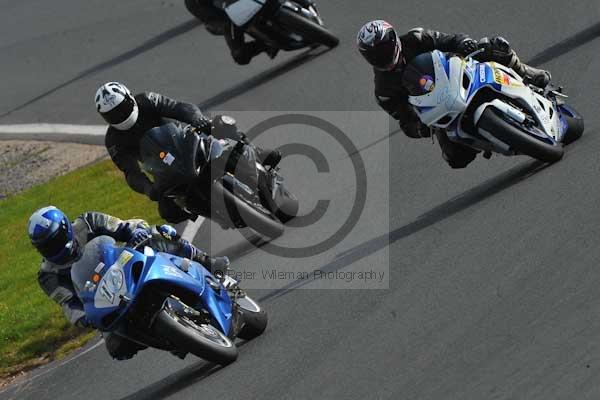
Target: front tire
204, 341
263, 223
497, 124
309, 30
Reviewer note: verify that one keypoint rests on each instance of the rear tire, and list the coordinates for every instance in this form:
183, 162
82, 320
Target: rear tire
204, 341
255, 319
265, 224
287, 208
493, 121
310, 30
194, 9
575, 125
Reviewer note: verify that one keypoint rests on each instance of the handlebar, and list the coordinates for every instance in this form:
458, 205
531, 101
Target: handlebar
473, 54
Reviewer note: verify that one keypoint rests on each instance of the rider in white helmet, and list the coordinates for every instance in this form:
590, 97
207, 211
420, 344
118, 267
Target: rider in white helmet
130, 116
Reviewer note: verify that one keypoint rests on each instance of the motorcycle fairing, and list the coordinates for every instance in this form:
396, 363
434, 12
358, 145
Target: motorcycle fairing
457, 82
166, 268
446, 99
102, 289
542, 109
242, 11
112, 295
169, 154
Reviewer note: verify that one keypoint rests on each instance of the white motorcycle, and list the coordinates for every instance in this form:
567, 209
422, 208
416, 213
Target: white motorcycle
488, 107
283, 25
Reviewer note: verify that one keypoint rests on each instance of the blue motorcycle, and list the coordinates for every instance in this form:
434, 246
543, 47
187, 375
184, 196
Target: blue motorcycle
163, 301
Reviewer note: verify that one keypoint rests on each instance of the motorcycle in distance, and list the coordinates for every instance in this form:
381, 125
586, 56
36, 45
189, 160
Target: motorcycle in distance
220, 179
488, 107
283, 25
163, 301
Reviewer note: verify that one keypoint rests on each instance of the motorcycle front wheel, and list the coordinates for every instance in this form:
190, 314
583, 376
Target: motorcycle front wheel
510, 132
202, 340
260, 221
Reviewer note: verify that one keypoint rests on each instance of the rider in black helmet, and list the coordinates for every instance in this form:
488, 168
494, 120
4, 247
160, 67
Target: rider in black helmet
388, 53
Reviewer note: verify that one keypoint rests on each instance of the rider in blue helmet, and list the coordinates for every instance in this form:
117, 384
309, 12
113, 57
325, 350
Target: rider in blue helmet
61, 243
51, 233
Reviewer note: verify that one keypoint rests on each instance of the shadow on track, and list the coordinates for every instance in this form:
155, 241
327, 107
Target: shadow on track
263, 77
179, 380
175, 382
431, 217
121, 58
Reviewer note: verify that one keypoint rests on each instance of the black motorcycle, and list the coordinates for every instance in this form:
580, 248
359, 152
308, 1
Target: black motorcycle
220, 179
283, 25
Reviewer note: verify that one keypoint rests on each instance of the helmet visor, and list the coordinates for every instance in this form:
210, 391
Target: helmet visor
384, 56
121, 112
56, 243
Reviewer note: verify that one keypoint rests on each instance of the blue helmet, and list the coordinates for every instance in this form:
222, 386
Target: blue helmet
51, 233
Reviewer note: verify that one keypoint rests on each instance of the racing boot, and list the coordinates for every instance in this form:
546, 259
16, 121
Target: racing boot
537, 77
498, 49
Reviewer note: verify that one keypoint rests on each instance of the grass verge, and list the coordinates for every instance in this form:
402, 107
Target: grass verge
33, 330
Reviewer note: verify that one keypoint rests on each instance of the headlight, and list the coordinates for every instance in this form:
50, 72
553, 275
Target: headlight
115, 280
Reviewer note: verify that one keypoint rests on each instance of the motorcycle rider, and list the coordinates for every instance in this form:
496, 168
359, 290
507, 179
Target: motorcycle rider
62, 243
218, 23
131, 116
388, 53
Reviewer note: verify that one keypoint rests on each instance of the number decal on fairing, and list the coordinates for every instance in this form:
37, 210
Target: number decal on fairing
107, 293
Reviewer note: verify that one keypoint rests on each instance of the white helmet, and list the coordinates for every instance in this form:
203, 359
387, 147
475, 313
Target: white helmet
116, 105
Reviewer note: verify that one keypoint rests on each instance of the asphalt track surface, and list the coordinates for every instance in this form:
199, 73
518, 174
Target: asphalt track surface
493, 292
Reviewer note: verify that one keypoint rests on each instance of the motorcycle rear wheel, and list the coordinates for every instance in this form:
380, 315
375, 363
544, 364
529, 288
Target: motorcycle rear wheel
310, 30
194, 9
575, 124
255, 318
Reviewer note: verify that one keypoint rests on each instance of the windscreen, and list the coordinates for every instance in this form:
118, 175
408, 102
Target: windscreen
168, 153
419, 75
84, 269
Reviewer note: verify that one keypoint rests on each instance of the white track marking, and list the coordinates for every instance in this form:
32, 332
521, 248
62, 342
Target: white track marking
63, 129
190, 230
